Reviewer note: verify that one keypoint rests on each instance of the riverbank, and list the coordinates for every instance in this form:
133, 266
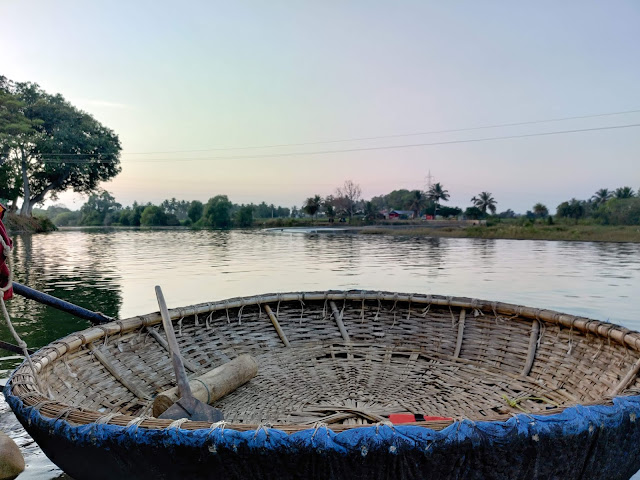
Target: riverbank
17, 224
579, 233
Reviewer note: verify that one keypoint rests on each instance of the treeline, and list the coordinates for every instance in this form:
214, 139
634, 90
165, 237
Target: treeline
608, 207
102, 209
414, 204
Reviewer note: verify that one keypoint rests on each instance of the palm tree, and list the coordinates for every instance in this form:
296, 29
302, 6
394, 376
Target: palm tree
312, 205
624, 192
435, 194
485, 201
601, 196
418, 202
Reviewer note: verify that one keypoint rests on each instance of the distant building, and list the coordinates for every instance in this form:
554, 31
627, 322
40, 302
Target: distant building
394, 214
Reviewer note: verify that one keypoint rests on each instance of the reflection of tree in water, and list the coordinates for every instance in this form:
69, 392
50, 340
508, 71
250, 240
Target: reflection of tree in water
424, 253
39, 263
341, 251
485, 249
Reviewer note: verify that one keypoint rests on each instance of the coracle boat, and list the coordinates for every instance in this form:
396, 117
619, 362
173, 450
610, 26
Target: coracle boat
475, 389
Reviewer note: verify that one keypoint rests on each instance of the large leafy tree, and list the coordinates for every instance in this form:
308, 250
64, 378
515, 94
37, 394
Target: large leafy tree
54, 146
217, 212
436, 194
99, 209
484, 201
574, 208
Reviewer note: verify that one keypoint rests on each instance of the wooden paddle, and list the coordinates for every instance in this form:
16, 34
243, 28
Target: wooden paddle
188, 406
96, 318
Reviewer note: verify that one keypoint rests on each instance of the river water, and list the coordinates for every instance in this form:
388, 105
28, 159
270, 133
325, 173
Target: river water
114, 271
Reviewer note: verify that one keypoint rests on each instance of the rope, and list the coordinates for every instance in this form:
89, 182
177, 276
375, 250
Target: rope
16, 337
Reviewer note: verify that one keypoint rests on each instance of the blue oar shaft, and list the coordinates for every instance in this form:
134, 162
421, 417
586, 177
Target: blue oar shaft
93, 317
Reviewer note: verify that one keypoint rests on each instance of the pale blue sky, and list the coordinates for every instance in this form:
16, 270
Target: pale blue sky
170, 76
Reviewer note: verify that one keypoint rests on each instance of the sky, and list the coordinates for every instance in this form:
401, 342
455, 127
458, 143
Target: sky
191, 87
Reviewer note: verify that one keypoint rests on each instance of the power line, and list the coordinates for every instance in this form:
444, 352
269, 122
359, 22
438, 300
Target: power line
379, 137
349, 150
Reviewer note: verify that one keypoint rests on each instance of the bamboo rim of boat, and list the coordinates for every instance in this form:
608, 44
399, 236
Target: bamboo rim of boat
22, 383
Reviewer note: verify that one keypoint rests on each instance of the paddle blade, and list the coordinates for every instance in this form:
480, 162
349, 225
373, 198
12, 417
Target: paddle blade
193, 410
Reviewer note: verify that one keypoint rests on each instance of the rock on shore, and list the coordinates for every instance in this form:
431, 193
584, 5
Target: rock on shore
11, 460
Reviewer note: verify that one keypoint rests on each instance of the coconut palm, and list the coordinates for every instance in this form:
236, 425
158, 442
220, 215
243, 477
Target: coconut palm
312, 205
624, 192
485, 201
437, 193
601, 196
418, 202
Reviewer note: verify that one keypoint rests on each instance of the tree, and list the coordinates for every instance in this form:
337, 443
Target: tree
217, 212
449, 211
178, 208
348, 197
153, 216
508, 213
130, 216
436, 194
620, 211
418, 202
329, 207
485, 201
370, 211
55, 146
601, 196
473, 213
540, 210
244, 216
312, 205
194, 212
99, 209
624, 192
572, 209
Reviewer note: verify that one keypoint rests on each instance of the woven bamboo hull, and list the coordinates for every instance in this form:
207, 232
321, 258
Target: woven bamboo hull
529, 392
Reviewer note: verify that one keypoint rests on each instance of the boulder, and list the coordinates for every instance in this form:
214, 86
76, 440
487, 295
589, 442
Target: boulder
11, 460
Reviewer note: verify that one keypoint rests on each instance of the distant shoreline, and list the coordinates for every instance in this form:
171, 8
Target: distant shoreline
509, 231
563, 232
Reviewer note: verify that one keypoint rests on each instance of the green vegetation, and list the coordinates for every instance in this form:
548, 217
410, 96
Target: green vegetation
583, 233
484, 202
607, 216
48, 146
217, 212
436, 194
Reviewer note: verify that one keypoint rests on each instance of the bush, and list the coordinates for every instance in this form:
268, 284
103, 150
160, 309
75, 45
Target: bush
243, 217
153, 216
67, 219
620, 211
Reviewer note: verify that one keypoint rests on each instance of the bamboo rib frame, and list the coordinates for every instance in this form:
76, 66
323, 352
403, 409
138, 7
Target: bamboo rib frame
345, 359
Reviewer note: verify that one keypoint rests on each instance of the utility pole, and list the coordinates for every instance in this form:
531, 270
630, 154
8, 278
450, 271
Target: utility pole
429, 177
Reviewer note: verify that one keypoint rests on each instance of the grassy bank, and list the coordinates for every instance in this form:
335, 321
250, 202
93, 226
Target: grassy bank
582, 233
17, 224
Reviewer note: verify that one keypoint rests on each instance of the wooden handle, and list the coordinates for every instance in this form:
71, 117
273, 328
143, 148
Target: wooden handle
174, 349
212, 385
